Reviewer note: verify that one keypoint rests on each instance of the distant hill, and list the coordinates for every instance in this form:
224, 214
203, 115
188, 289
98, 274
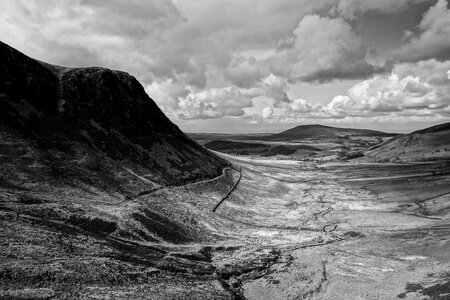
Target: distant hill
245, 148
321, 131
425, 144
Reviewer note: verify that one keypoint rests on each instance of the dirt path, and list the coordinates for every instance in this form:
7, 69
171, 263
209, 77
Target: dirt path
389, 177
147, 192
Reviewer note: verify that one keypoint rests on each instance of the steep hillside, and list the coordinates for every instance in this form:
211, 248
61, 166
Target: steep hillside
91, 172
426, 144
108, 112
78, 149
321, 131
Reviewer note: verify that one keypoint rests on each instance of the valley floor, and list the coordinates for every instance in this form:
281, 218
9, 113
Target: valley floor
340, 234
289, 230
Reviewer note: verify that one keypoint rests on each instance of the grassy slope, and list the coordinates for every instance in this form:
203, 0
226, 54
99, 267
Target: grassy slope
321, 131
426, 144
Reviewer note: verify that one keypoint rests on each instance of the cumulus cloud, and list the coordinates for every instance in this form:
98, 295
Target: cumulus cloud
415, 91
167, 92
267, 112
214, 103
197, 64
326, 48
410, 89
301, 105
274, 87
432, 39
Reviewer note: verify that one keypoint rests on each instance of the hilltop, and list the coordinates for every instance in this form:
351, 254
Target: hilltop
322, 131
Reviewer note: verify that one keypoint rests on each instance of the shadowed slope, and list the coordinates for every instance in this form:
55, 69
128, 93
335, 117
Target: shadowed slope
225, 146
105, 110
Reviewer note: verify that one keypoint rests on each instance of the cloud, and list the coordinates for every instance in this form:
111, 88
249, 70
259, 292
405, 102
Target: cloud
267, 112
353, 9
214, 103
303, 106
432, 39
418, 91
325, 49
197, 64
410, 89
118, 34
166, 93
244, 71
274, 87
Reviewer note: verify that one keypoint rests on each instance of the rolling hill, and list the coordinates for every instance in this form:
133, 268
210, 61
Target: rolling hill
246, 148
320, 131
426, 144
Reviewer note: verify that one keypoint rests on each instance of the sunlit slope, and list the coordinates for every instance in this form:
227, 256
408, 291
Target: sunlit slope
426, 144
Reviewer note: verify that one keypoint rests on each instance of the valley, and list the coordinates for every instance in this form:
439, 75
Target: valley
103, 197
290, 229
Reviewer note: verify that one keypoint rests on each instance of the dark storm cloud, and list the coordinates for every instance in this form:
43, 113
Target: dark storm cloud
355, 70
353, 9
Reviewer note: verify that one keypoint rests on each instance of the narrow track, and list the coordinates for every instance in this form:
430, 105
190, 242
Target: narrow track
147, 192
230, 191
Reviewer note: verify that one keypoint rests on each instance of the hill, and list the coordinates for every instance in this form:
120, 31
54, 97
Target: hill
90, 170
245, 148
320, 131
426, 144
72, 113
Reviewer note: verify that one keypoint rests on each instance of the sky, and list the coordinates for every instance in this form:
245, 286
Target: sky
249, 66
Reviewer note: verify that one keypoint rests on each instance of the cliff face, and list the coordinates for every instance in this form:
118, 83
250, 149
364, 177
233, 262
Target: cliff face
107, 113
